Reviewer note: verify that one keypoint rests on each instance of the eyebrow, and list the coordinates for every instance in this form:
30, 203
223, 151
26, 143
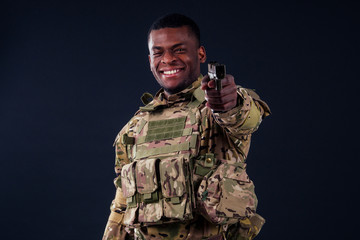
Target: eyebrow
156, 48
174, 46
177, 45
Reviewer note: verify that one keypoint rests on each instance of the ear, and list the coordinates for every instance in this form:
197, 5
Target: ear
202, 54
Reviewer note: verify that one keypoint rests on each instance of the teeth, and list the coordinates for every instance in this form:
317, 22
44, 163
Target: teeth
172, 71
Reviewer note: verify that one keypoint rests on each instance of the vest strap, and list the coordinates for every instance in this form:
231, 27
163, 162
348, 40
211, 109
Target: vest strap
126, 140
141, 126
199, 94
146, 98
143, 151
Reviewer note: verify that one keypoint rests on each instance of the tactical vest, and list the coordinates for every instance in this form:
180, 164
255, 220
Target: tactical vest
161, 144
167, 166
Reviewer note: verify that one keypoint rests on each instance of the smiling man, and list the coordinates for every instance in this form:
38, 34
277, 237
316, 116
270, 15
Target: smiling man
175, 57
180, 161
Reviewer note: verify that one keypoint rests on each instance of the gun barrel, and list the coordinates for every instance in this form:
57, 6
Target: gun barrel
217, 72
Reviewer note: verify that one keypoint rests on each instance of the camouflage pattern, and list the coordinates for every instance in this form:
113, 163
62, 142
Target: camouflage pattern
245, 229
128, 180
150, 212
173, 186
146, 179
227, 195
179, 164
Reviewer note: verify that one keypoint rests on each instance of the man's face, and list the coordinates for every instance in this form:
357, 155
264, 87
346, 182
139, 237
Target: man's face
175, 57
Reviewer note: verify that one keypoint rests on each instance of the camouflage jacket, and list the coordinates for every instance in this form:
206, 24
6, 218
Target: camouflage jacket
181, 171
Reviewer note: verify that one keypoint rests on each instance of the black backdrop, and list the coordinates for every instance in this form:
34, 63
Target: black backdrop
72, 73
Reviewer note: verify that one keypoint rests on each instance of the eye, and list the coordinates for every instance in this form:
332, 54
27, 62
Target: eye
179, 50
156, 54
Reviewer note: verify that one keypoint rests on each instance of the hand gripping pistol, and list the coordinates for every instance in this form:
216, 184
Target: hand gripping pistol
217, 72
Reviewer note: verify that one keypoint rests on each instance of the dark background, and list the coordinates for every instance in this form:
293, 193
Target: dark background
72, 73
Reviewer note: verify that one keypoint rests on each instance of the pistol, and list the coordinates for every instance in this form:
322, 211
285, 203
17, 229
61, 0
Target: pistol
217, 72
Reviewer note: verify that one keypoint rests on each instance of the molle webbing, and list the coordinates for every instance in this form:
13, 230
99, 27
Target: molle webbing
150, 198
165, 129
167, 135
146, 198
146, 152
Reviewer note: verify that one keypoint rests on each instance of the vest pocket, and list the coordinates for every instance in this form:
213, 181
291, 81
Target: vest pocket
157, 191
227, 194
175, 186
202, 166
128, 188
150, 209
238, 194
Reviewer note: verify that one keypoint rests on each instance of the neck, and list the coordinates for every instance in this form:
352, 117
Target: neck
168, 92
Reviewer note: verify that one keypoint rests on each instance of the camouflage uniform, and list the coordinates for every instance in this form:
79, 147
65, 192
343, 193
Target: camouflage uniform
181, 171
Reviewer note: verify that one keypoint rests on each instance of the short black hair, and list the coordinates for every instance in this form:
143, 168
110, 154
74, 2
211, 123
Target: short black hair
175, 20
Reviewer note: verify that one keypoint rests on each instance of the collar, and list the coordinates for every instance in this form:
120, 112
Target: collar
182, 95
161, 99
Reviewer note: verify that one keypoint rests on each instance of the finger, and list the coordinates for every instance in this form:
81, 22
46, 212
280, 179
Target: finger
228, 80
208, 85
211, 84
229, 89
222, 100
222, 107
204, 82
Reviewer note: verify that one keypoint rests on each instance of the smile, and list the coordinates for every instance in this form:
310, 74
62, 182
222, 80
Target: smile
171, 72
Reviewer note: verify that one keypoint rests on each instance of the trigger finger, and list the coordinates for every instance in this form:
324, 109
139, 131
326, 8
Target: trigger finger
204, 82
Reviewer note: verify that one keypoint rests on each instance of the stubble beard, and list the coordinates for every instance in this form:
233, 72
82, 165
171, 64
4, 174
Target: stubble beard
180, 87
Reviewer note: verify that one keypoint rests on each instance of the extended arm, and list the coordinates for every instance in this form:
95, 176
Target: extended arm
238, 110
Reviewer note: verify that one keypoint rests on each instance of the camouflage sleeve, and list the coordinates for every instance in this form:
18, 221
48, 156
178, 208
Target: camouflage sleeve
226, 195
114, 229
246, 117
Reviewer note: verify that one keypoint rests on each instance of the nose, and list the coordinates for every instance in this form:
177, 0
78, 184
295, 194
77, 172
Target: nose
168, 57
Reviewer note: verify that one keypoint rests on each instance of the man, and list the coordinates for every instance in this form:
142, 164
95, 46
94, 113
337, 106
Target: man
180, 161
